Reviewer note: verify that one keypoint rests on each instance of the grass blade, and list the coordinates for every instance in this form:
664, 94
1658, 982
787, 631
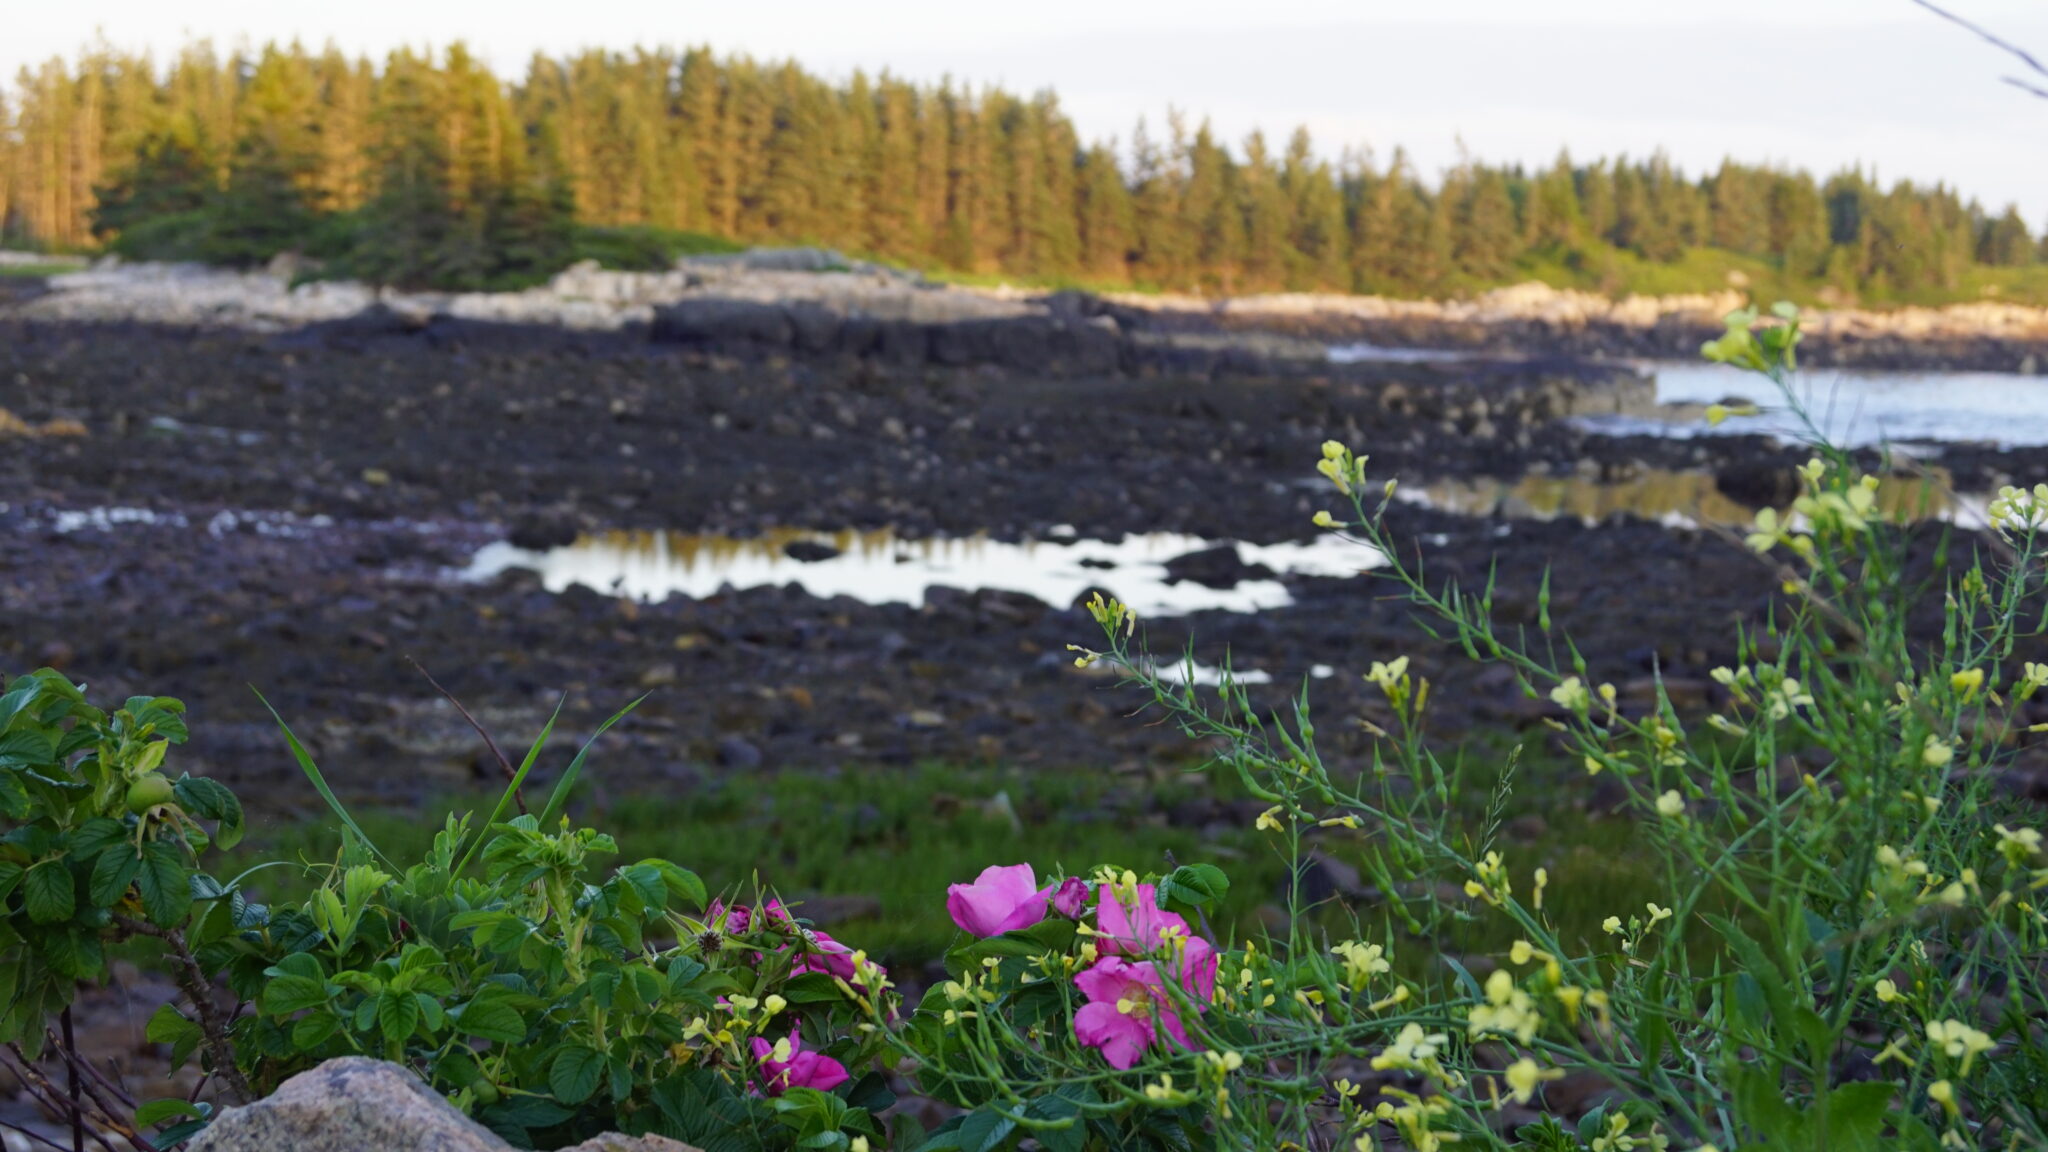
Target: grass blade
512, 789
312, 772
560, 798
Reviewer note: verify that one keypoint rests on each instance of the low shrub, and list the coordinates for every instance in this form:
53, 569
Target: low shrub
1845, 953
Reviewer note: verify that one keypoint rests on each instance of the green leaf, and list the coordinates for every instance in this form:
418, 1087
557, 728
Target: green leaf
397, 1015
984, 1130
682, 883
1193, 886
14, 799
314, 1029
169, 1026
303, 964
97, 835
213, 801
575, 1073
48, 892
491, 1018
27, 748
560, 796
284, 995
812, 988
512, 789
1056, 1109
76, 953
319, 782
112, 873
157, 1111
165, 884
10, 875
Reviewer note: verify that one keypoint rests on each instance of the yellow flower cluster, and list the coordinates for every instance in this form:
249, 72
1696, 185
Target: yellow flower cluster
1343, 467
1508, 1010
1618, 1138
1114, 615
1362, 962
1491, 882
2016, 511
1958, 1041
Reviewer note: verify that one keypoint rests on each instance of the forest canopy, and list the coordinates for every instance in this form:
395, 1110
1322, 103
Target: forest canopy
431, 170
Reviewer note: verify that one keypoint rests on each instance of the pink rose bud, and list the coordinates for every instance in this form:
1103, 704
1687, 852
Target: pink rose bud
1070, 897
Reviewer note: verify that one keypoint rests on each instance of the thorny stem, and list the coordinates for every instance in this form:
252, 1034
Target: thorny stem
193, 983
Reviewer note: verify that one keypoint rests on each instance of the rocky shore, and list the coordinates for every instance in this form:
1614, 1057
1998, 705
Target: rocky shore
813, 302
1986, 336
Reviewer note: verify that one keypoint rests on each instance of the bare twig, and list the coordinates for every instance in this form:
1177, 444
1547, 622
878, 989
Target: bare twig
193, 983
39, 1085
35, 1136
79, 1063
112, 1111
71, 1081
2003, 45
511, 773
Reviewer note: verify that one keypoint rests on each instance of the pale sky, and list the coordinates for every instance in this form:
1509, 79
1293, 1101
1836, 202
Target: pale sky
1817, 83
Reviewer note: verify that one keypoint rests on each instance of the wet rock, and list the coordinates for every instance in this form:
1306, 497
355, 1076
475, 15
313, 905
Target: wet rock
1757, 483
737, 752
1217, 567
723, 325
540, 531
809, 551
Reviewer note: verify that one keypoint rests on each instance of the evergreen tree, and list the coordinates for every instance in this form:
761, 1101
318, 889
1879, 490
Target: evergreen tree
2005, 242
1318, 233
1108, 225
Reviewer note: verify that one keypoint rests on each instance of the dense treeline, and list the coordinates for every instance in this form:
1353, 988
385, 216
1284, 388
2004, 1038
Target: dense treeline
434, 170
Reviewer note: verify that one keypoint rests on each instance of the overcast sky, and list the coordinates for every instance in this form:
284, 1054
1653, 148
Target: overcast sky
1817, 83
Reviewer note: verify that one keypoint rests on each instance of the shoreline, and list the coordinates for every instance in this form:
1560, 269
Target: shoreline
808, 302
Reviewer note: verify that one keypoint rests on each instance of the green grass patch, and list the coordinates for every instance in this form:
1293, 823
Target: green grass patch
873, 849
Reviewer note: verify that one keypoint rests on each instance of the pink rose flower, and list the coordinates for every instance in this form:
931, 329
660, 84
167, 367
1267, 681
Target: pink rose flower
783, 1069
1128, 1007
1137, 928
824, 954
1071, 897
1001, 899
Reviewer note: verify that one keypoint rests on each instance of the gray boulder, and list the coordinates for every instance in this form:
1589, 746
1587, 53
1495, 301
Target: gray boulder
355, 1104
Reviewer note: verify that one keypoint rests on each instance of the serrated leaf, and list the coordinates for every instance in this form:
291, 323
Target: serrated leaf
314, 1029
984, 1130
111, 874
157, 1111
165, 884
97, 835
212, 800
27, 748
14, 800
284, 995
575, 1073
1056, 1109
491, 1018
75, 953
397, 1015
169, 1026
48, 893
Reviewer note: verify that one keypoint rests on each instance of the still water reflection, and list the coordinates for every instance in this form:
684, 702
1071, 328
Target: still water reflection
1853, 408
878, 568
1678, 499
